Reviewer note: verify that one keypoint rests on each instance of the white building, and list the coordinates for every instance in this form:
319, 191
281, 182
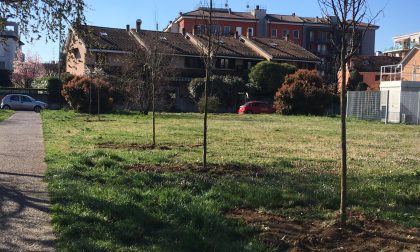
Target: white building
402, 85
403, 44
9, 45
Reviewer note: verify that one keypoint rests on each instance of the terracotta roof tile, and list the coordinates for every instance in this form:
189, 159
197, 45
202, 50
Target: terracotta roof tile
171, 42
282, 49
231, 47
372, 63
220, 13
106, 38
284, 18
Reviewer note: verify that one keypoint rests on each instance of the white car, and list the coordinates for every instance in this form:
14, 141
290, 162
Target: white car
22, 102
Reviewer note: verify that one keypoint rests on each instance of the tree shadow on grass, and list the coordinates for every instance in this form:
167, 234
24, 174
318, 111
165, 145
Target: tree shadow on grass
100, 205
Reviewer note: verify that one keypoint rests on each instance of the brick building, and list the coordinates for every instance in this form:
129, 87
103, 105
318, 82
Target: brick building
312, 33
91, 46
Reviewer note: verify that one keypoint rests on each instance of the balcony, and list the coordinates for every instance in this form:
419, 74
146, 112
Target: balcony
407, 73
398, 47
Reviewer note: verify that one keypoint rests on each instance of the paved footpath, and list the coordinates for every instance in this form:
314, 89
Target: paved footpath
25, 224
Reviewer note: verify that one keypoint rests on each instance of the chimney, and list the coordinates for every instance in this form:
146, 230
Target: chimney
258, 7
127, 27
293, 14
138, 25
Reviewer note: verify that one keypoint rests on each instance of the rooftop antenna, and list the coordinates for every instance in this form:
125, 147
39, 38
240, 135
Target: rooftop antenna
247, 6
227, 4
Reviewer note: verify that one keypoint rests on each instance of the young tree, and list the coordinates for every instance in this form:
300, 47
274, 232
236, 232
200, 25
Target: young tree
209, 53
26, 71
350, 20
147, 69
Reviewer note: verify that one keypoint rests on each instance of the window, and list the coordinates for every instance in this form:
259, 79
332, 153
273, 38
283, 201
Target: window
200, 29
322, 48
225, 63
274, 33
101, 58
14, 98
251, 31
226, 30
312, 36
215, 29
323, 36
76, 53
25, 99
285, 33
296, 34
2, 64
249, 65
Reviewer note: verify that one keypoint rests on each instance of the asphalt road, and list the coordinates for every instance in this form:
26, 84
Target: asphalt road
25, 223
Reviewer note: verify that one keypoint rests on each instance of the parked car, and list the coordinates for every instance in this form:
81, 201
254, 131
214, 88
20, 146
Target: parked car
256, 107
22, 102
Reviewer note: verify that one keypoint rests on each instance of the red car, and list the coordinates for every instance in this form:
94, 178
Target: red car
256, 107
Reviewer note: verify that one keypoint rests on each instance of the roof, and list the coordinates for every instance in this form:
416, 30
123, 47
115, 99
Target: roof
284, 18
284, 50
170, 42
220, 13
372, 63
105, 38
412, 52
231, 47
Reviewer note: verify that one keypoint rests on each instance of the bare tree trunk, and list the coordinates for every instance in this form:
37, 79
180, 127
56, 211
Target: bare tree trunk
205, 117
153, 111
343, 98
90, 99
99, 104
208, 69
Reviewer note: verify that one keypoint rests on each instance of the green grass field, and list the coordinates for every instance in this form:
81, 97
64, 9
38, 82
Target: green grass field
4, 114
288, 166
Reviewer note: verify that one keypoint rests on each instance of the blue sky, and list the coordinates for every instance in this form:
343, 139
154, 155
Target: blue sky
400, 16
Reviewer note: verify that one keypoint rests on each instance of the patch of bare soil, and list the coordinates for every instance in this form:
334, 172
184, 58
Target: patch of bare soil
212, 169
134, 146
361, 234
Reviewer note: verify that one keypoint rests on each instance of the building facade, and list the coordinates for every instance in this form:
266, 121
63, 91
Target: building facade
107, 48
403, 44
312, 33
10, 44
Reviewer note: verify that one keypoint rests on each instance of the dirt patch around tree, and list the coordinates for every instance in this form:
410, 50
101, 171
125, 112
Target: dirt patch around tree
212, 169
362, 233
134, 146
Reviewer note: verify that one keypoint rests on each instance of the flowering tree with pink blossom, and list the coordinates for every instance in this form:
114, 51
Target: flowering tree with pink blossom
26, 71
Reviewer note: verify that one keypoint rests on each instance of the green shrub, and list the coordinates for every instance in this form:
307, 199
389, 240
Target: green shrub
82, 93
226, 88
66, 78
303, 93
266, 77
213, 104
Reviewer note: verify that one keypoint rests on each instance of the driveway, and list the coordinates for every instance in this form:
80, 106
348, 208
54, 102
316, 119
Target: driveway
25, 224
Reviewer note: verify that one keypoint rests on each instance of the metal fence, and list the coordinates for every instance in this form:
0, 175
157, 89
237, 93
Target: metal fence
385, 106
38, 94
